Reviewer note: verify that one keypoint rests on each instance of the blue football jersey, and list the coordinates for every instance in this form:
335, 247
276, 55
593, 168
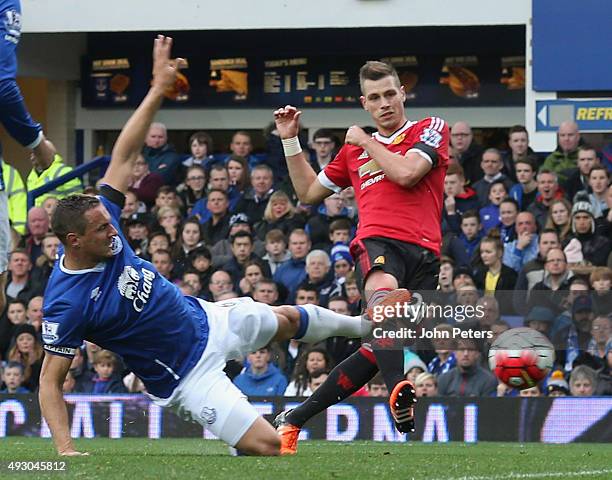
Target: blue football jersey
126, 306
10, 33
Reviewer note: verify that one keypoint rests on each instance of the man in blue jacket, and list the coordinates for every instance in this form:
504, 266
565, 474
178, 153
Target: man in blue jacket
293, 271
261, 378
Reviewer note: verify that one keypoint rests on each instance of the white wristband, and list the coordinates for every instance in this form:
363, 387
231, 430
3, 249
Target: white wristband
291, 146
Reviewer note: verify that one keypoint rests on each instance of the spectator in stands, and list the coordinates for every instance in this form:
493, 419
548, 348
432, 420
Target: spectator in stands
144, 182
533, 271
190, 237
34, 313
313, 359
162, 259
255, 200
490, 308
276, 250
489, 214
201, 148
222, 250
38, 178
468, 379
242, 146
559, 219
530, 392
156, 241
293, 272
599, 179
13, 377
564, 158
426, 385
604, 381
169, 218
238, 173
324, 145
467, 152
578, 180
220, 283
555, 283
445, 280
495, 278
353, 294
508, 211
573, 340
200, 260
192, 278
340, 348
252, 274
280, 214
44, 263
137, 233
218, 179
160, 155
583, 381
459, 198
28, 351
306, 294
14, 316
38, 227
601, 333
525, 248
557, 386
492, 166
20, 283
413, 365
377, 388
463, 247
320, 275
261, 377
242, 252
17, 197
601, 281
316, 379
217, 227
266, 291
342, 261
333, 208
195, 187
518, 141
50, 204
131, 206
106, 378
525, 191
541, 319
467, 294
548, 190
595, 248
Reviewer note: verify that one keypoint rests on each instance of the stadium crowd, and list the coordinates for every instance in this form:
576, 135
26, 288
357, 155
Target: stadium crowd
526, 238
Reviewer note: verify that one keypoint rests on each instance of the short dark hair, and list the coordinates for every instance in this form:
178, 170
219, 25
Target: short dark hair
202, 138
276, 235
455, 169
517, 129
69, 215
241, 234
325, 133
340, 224
308, 287
18, 365
527, 161
338, 298
218, 190
512, 201
374, 70
471, 214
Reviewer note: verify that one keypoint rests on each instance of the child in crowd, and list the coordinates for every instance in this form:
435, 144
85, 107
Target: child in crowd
462, 247
13, 377
489, 215
105, 380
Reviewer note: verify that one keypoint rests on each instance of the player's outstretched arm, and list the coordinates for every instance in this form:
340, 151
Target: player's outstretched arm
307, 186
52, 405
132, 136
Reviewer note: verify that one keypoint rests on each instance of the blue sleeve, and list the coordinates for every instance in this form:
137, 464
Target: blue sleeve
63, 329
513, 257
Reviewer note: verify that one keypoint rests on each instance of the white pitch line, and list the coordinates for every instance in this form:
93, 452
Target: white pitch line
518, 476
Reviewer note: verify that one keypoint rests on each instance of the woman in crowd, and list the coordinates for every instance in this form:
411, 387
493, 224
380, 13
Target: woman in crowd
169, 219
194, 188
310, 361
279, 214
238, 170
253, 273
15, 315
494, 277
190, 237
559, 218
28, 351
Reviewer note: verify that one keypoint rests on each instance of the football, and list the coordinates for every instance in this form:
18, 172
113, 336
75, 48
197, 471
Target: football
521, 357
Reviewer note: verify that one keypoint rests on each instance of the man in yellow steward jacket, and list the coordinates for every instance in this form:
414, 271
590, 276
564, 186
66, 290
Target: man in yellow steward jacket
57, 169
17, 198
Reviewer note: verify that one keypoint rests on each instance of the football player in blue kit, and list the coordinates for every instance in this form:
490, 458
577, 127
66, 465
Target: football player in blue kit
16, 119
177, 345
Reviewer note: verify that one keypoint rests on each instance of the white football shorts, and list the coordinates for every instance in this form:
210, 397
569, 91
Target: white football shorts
206, 395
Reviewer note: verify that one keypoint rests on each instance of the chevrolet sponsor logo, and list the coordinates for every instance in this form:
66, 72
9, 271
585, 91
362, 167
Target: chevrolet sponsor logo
369, 168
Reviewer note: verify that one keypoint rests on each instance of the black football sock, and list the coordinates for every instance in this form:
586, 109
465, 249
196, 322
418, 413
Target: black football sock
344, 380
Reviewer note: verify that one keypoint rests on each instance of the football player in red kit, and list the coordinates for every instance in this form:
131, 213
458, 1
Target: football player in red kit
398, 177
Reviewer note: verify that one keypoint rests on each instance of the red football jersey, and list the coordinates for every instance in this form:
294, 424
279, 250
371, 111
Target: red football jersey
386, 209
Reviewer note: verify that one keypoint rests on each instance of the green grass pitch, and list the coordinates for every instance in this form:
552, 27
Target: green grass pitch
139, 459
